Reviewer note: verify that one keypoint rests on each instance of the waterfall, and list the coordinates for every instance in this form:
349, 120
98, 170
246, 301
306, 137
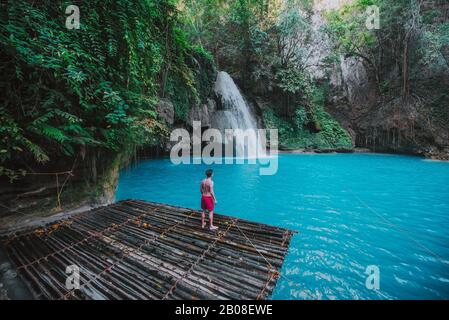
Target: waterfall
234, 113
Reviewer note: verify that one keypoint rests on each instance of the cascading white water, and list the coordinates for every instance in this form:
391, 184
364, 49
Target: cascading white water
235, 114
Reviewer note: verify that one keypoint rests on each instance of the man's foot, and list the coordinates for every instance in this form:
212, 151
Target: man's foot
203, 225
213, 228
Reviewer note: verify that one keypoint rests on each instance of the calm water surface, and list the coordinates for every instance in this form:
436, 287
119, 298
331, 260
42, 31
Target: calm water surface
351, 211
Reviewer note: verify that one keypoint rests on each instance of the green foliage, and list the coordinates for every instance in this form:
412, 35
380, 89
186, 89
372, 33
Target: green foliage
331, 137
347, 27
202, 20
292, 33
273, 121
63, 89
191, 81
300, 117
264, 44
294, 134
295, 81
409, 39
434, 44
331, 134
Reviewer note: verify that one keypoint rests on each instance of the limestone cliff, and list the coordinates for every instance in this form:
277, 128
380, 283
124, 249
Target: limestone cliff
384, 122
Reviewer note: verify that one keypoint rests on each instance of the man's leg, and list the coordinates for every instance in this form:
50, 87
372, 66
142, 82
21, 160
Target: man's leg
203, 216
211, 220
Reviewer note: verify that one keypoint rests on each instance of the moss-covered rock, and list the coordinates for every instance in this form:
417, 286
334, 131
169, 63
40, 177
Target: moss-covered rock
331, 135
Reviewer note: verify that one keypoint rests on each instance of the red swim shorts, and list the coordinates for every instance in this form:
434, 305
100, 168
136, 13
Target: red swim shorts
207, 203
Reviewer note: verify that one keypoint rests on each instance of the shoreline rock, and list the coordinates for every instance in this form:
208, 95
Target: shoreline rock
434, 155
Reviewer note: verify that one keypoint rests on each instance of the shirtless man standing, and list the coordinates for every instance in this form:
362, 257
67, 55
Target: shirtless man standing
208, 200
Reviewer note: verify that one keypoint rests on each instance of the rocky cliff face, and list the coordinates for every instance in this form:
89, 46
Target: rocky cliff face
35, 197
383, 123
389, 124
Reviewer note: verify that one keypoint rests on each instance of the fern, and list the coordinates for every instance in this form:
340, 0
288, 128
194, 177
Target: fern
63, 90
36, 151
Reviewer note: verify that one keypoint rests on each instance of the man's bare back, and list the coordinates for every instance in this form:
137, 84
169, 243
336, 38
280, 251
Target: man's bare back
207, 185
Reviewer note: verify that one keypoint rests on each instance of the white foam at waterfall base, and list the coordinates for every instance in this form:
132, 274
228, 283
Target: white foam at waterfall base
236, 114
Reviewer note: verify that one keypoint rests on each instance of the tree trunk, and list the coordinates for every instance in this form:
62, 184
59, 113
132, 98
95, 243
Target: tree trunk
405, 80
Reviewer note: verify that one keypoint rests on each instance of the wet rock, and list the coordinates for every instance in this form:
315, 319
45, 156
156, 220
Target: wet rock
202, 113
387, 125
358, 84
166, 111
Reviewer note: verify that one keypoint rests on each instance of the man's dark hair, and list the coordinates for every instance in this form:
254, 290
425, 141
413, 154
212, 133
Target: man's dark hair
209, 172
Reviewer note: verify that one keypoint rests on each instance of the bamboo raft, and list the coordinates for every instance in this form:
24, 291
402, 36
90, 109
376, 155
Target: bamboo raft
141, 250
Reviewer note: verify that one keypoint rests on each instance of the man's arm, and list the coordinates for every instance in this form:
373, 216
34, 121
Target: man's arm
212, 191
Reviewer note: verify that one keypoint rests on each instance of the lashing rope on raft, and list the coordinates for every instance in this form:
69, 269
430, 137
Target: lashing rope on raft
272, 271
221, 235
128, 252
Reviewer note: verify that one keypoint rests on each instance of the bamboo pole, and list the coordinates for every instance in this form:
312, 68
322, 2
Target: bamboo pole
138, 250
